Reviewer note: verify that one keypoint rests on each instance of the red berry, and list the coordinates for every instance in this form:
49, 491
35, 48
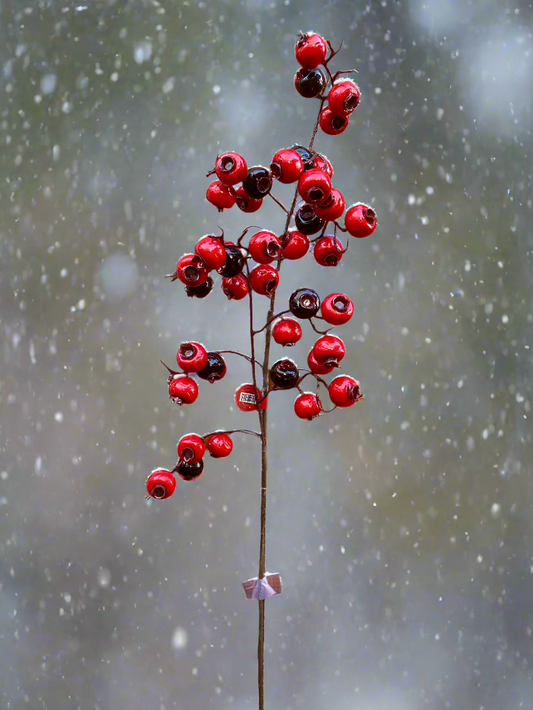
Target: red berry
235, 287
295, 245
307, 406
160, 484
310, 50
182, 389
220, 195
189, 471
247, 396
322, 163
215, 369
329, 350
258, 182
191, 270
309, 83
231, 168
191, 357
332, 208
344, 97
360, 220
212, 251
318, 368
287, 332
245, 202
191, 448
344, 391
332, 123
219, 445
314, 186
264, 247
264, 279
328, 250
337, 309
287, 165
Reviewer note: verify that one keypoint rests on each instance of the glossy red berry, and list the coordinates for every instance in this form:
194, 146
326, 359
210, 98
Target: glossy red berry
191, 357
215, 369
220, 195
332, 124
309, 83
231, 168
360, 220
337, 309
332, 208
295, 245
191, 448
264, 247
247, 396
314, 186
287, 332
307, 406
310, 50
189, 471
212, 251
235, 287
234, 262
344, 391
191, 270
264, 279
160, 484
344, 97
182, 389
322, 163
219, 445
284, 374
328, 250
316, 367
200, 291
287, 165
329, 349
304, 303
258, 182
246, 203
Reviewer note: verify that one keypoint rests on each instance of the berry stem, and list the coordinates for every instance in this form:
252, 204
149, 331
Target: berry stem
236, 352
278, 202
233, 431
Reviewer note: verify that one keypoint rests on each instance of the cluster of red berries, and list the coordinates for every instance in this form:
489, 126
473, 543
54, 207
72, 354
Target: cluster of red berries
321, 205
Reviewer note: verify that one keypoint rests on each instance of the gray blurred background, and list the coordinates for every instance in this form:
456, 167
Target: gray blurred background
403, 527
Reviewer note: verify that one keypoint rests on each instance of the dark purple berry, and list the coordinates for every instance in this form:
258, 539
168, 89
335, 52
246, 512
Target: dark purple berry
189, 471
258, 182
304, 303
215, 368
284, 374
200, 291
306, 220
309, 82
234, 261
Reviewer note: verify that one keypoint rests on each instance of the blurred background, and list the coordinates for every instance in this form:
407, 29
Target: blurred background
402, 528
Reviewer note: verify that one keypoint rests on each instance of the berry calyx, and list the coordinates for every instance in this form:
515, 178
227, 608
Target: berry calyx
160, 484
200, 291
307, 406
215, 368
337, 309
360, 220
219, 445
316, 367
331, 208
264, 247
295, 245
212, 251
284, 374
309, 83
306, 221
310, 50
344, 391
234, 263
287, 332
182, 389
191, 357
258, 182
332, 124
314, 186
191, 448
264, 279
235, 287
189, 471
246, 203
344, 97
304, 303
220, 195
247, 397
306, 155
191, 270
329, 350
287, 165
231, 168
328, 250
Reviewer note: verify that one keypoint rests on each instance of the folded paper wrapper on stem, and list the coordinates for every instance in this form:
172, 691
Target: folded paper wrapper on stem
263, 588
